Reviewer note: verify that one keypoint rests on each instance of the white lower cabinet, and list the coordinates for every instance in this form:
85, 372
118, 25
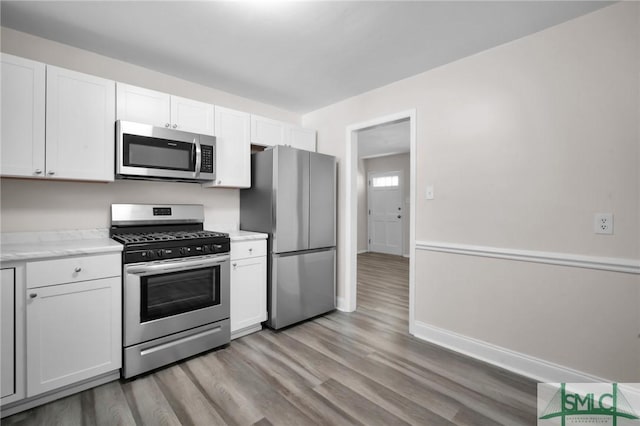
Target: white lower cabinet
7, 332
248, 286
73, 333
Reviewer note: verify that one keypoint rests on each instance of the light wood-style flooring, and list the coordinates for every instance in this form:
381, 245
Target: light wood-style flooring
343, 368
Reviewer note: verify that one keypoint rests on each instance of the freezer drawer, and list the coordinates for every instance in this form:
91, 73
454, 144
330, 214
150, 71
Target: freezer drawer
302, 286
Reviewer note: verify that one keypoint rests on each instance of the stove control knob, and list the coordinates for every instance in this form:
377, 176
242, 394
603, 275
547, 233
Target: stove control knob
206, 248
216, 248
150, 254
184, 250
160, 253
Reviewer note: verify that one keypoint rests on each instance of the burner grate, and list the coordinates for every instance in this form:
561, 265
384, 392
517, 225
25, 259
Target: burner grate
145, 237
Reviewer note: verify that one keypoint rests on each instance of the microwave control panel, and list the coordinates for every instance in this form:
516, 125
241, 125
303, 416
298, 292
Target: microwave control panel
207, 159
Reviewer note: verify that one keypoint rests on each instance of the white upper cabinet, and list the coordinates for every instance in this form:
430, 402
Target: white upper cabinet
56, 123
192, 116
233, 148
159, 109
267, 132
23, 109
80, 121
301, 138
143, 105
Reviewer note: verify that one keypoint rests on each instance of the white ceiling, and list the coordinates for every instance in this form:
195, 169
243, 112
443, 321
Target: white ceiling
386, 139
299, 56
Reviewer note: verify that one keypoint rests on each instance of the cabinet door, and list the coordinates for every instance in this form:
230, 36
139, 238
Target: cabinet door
233, 148
7, 332
73, 333
23, 107
143, 105
191, 116
302, 138
248, 292
267, 132
80, 126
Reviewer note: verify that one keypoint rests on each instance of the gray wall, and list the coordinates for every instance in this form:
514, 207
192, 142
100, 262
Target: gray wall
523, 144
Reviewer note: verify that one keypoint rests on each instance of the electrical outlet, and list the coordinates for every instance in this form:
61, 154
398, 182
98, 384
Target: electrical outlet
603, 223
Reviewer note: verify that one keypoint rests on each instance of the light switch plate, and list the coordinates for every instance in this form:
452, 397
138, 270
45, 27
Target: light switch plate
430, 193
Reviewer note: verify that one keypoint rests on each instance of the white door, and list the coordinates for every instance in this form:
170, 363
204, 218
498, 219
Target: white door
23, 100
302, 138
143, 105
191, 116
233, 148
267, 132
80, 130
385, 212
248, 292
73, 333
7, 332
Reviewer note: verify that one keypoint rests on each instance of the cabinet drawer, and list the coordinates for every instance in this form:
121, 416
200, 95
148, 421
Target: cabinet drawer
244, 249
72, 269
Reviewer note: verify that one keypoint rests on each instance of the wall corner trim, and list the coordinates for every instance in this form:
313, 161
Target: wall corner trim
516, 362
342, 305
629, 266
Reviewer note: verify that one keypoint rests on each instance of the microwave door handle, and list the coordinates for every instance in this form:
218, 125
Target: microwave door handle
198, 157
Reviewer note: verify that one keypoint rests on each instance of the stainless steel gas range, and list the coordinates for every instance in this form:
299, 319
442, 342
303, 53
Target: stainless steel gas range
175, 284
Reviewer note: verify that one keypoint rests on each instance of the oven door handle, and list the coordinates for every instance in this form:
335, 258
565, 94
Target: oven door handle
181, 265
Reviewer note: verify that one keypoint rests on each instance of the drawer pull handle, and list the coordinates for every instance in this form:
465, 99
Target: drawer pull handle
235, 265
33, 295
250, 250
78, 269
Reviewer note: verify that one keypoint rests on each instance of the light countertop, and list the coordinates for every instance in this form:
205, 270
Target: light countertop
21, 246
246, 235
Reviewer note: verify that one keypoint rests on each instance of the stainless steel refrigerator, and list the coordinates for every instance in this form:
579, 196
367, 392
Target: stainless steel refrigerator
293, 199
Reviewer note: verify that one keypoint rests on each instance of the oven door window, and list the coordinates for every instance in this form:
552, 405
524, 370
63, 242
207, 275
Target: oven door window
157, 153
169, 294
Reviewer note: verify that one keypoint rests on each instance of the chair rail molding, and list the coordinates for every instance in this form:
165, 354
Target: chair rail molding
613, 264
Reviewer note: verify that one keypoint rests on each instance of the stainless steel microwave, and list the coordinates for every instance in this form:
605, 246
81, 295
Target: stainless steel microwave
156, 153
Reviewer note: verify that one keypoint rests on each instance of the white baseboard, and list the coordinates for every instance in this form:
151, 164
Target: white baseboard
363, 251
406, 255
525, 365
341, 305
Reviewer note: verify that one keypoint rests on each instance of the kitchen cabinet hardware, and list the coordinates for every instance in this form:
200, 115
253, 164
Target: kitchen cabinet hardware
33, 295
175, 126
51, 173
78, 269
38, 172
399, 216
167, 125
235, 265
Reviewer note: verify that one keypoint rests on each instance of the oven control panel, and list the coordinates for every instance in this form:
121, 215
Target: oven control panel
184, 250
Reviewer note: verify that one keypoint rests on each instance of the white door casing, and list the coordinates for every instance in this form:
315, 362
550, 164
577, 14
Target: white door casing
384, 195
347, 282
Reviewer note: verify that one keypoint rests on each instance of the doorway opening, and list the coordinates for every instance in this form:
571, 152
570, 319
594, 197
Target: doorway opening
380, 150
